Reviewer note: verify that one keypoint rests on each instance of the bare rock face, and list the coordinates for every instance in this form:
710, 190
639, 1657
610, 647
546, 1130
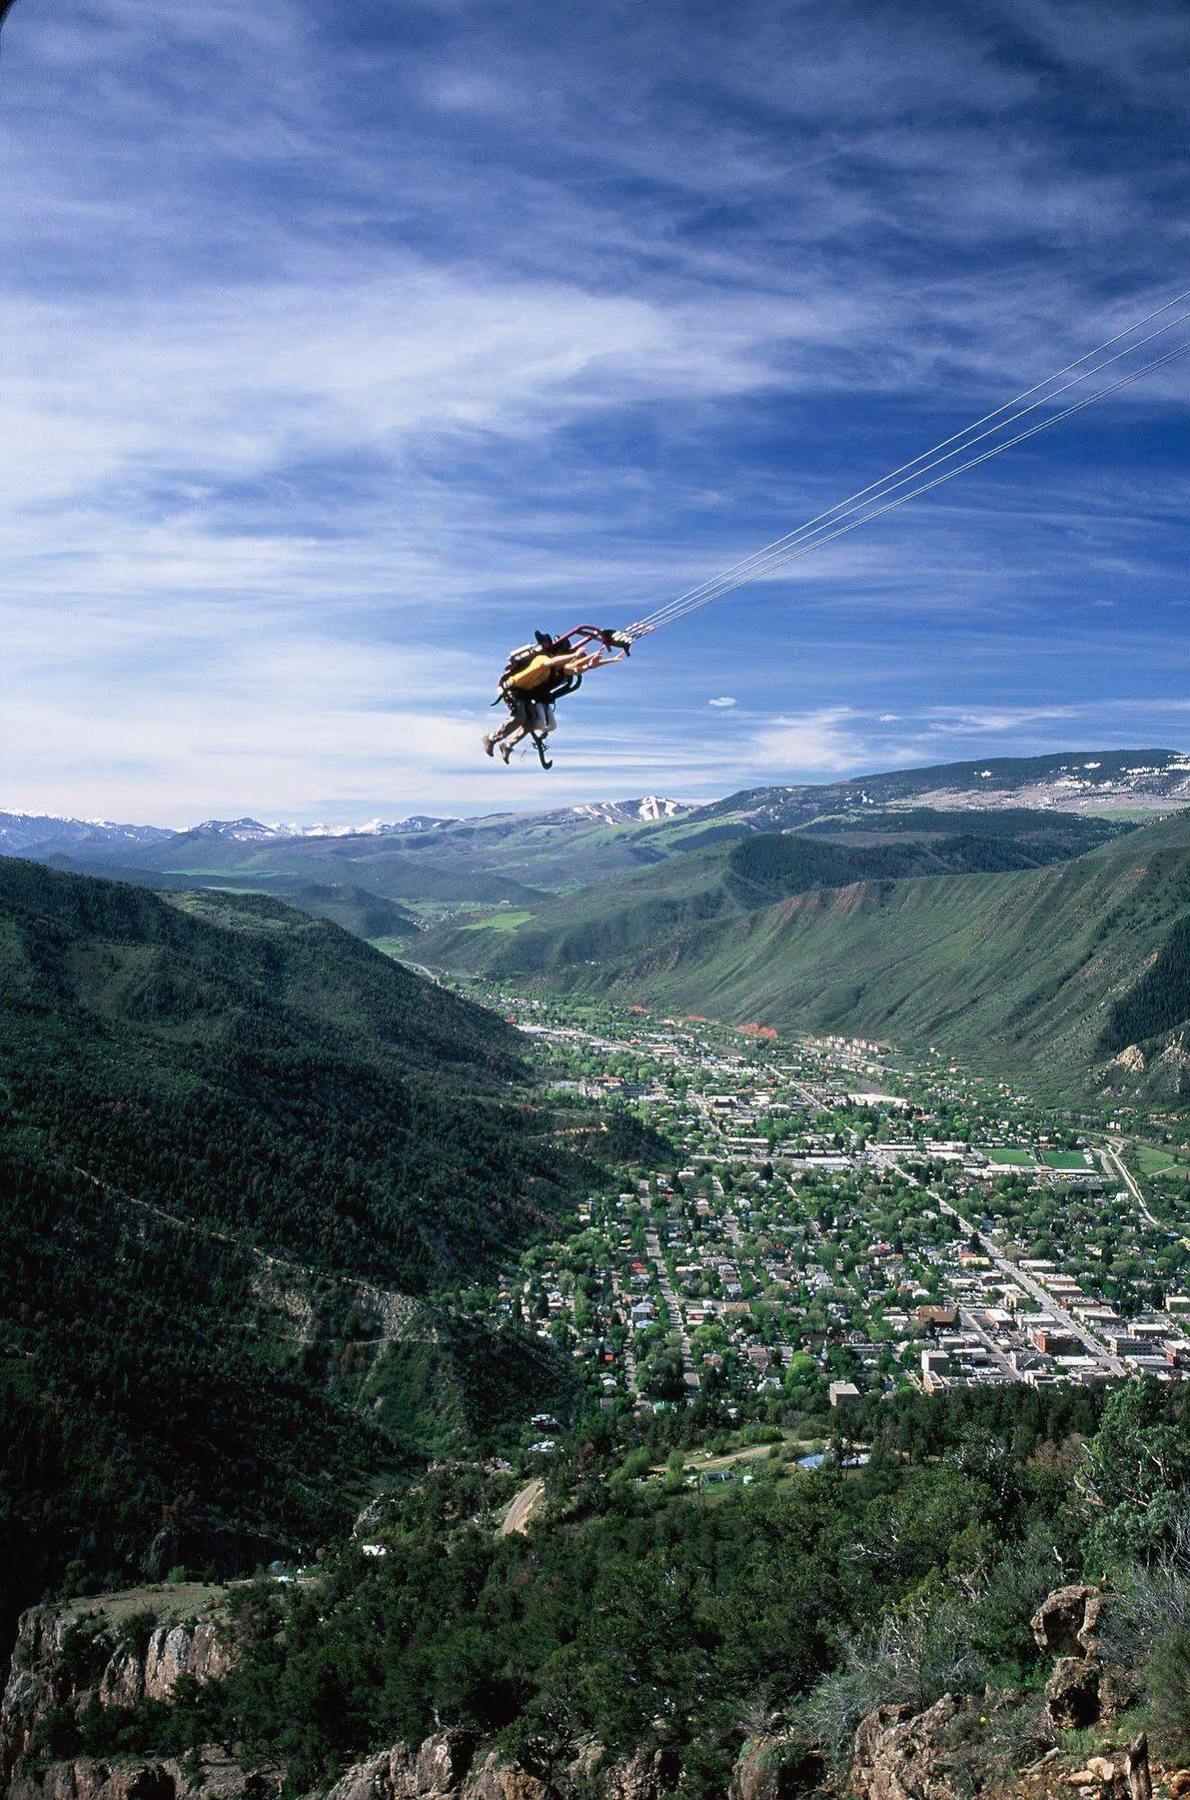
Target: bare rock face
903, 1755
67, 1656
446, 1765
646, 1776
1072, 1693
1067, 1622
90, 1779
438, 1767
217, 1777
499, 1780
773, 1768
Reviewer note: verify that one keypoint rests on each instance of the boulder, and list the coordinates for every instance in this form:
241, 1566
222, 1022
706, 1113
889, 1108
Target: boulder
1072, 1693
1125, 1775
646, 1776
1067, 1621
901, 1754
772, 1768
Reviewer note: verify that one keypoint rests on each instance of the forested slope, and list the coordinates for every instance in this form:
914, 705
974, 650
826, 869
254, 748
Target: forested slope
1045, 972
238, 1150
634, 914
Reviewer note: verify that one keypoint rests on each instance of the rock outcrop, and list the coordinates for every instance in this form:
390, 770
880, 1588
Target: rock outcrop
438, 1767
212, 1776
774, 1768
81, 1653
901, 1754
1072, 1693
449, 1764
646, 1776
1068, 1621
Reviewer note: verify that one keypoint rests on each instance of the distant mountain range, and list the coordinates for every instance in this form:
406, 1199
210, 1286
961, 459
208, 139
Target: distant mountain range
1010, 909
39, 835
499, 856
1074, 971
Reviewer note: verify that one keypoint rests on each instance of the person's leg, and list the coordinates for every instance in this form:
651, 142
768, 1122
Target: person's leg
510, 743
518, 727
516, 722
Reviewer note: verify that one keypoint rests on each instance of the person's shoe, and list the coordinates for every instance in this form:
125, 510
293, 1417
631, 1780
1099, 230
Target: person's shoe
489, 745
505, 752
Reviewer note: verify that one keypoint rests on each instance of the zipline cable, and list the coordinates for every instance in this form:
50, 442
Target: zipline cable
915, 464
920, 465
698, 599
961, 441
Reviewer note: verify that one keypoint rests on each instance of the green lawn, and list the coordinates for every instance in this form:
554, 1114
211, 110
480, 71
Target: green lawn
501, 921
1151, 1161
1012, 1156
1064, 1159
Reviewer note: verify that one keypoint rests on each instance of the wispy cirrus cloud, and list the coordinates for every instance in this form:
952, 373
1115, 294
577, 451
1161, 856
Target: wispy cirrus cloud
372, 339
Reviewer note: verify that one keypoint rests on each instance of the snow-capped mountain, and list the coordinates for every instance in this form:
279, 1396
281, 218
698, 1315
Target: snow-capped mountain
394, 827
240, 831
22, 832
649, 810
253, 831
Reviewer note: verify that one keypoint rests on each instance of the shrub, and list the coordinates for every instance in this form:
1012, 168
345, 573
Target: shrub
911, 1658
1169, 1692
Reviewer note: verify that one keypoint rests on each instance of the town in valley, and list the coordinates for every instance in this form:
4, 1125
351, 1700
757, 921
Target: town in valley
837, 1220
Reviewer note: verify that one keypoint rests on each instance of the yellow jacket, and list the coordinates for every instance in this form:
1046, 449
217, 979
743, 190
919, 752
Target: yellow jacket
535, 674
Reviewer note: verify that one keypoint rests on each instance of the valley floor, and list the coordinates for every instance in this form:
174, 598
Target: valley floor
837, 1221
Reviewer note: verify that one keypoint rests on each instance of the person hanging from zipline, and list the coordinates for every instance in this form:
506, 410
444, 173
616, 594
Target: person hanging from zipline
538, 675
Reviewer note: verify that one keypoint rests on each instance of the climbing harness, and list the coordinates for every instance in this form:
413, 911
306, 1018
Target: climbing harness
569, 643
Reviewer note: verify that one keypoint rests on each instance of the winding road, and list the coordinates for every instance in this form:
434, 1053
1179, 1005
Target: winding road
521, 1508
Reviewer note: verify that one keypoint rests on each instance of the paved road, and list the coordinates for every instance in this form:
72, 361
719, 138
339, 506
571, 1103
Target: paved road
1014, 1272
1114, 1153
521, 1508
689, 1373
970, 1323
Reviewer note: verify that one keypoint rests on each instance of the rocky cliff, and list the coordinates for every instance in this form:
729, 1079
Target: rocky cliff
124, 1650
117, 1651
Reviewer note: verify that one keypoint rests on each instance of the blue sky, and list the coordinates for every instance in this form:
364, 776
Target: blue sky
340, 346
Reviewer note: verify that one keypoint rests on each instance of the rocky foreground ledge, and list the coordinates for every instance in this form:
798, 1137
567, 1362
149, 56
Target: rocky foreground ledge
122, 1650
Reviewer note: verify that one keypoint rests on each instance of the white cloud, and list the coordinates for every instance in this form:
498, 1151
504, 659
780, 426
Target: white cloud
828, 740
321, 347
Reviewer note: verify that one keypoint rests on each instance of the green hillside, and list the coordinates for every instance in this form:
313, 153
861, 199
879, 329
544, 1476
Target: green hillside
634, 914
357, 909
1027, 970
241, 1153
